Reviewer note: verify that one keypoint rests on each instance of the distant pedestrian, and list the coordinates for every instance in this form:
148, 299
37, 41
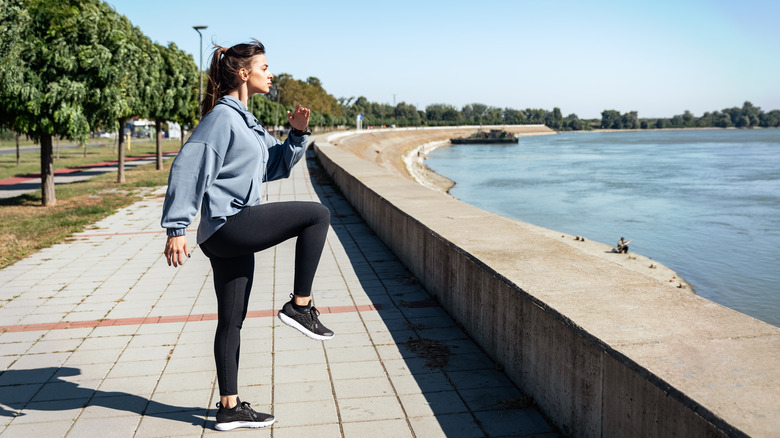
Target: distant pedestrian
622, 246
221, 170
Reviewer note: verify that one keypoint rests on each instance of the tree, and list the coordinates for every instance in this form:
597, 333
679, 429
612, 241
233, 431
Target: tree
473, 113
440, 112
688, 119
535, 116
573, 122
406, 114
513, 116
493, 116
722, 120
54, 73
177, 88
770, 119
752, 113
554, 119
610, 119
629, 120
138, 67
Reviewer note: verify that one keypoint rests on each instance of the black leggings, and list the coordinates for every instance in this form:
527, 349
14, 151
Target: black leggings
232, 253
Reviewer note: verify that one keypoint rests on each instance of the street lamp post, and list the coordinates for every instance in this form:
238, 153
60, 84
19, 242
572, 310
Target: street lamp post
200, 68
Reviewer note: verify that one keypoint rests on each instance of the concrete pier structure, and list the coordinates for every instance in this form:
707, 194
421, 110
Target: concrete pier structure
603, 349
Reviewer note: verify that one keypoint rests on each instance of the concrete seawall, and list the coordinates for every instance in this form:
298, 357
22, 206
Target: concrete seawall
604, 350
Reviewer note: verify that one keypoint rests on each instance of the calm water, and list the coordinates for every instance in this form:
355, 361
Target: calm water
705, 203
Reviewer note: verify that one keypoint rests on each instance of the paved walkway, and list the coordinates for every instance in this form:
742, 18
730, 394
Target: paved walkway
101, 338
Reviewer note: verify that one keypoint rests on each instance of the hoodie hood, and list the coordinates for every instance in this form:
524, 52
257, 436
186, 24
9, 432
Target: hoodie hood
250, 120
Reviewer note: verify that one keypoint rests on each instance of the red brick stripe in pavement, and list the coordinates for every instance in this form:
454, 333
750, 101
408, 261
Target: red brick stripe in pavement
167, 319
189, 230
64, 171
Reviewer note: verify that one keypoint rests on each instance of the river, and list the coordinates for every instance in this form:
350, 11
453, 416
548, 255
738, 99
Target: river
705, 203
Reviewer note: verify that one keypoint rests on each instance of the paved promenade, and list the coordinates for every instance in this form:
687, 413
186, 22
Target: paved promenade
99, 337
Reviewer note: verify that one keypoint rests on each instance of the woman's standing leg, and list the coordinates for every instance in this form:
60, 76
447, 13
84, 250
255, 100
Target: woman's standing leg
232, 284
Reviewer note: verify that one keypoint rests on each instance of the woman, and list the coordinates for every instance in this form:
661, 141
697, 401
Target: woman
221, 170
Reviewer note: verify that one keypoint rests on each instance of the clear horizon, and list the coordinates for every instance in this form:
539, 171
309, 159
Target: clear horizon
659, 58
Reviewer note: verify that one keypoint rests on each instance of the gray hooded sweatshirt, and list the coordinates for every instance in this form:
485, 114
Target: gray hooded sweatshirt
222, 167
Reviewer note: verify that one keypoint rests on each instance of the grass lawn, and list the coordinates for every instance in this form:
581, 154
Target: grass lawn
31, 161
11, 143
26, 226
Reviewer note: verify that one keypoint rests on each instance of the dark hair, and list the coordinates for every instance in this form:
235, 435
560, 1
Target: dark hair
223, 74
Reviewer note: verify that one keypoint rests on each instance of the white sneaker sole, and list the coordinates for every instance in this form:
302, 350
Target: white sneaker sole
236, 424
296, 325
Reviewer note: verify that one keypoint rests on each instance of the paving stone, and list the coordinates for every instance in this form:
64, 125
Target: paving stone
512, 422
319, 431
300, 373
357, 370
443, 426
302, 391
59, 390
378, 429
434, 381
49, 429
111, 405
172, 380
141, 386
19, 395
370, 409
300, 357
176, 401
47, 411
105, 426
479, 379
305, 413
358, 388
433, 404
351, 354
171, 424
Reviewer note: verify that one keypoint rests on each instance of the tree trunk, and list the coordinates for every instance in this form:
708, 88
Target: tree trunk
158, 127
120, 173
85, 149
182, 136
47, 172
18, 155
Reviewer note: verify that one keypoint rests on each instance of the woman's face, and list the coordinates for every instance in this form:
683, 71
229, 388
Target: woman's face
259, 78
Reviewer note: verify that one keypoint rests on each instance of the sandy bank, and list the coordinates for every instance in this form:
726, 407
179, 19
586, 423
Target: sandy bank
403, 151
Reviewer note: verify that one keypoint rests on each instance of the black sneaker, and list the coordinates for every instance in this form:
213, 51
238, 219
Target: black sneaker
242, 415
307, 322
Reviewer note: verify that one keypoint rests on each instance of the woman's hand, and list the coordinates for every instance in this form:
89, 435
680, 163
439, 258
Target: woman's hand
176, 250
299, 119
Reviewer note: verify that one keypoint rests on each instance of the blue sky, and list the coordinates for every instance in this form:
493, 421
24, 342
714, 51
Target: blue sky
656, 57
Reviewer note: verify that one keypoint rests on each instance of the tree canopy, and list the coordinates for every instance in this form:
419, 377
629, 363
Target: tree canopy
73, 66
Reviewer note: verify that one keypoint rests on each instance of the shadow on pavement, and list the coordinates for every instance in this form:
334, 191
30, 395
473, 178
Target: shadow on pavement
461, 387
43, 389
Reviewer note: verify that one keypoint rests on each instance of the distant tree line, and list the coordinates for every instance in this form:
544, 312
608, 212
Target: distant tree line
749, 116
70, 67
329, 111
